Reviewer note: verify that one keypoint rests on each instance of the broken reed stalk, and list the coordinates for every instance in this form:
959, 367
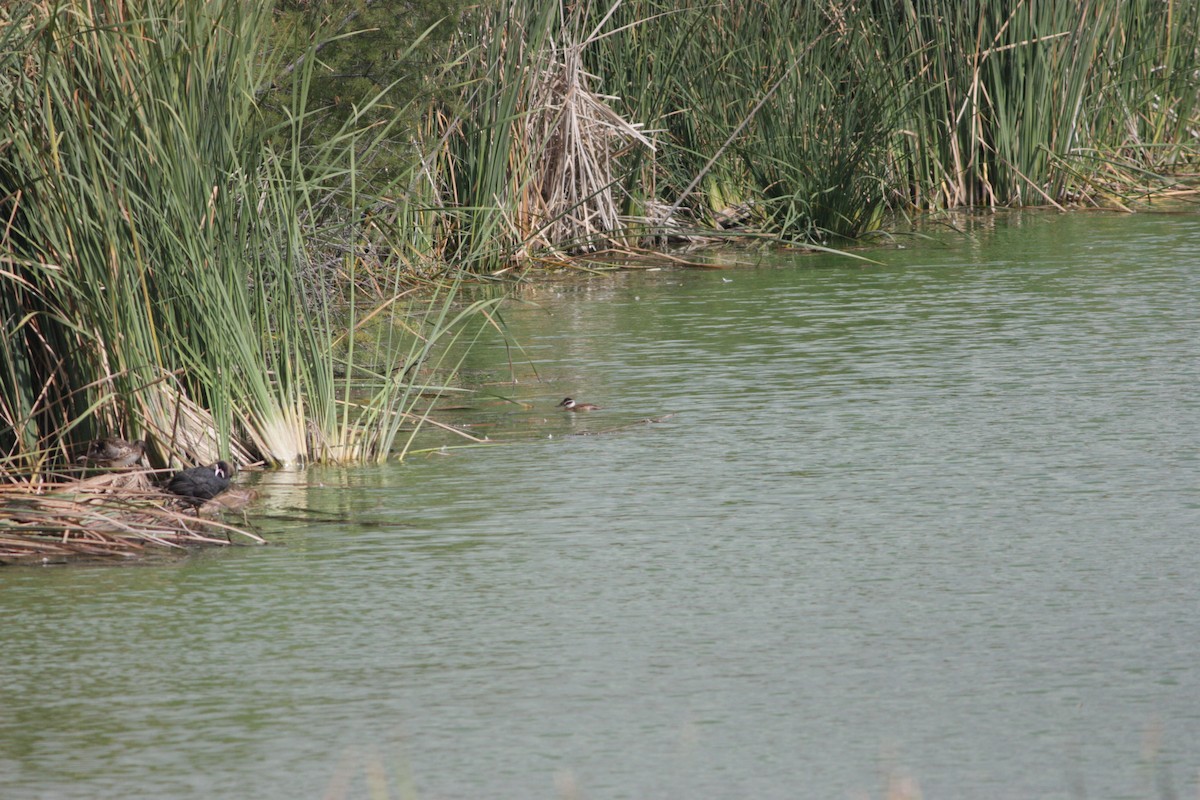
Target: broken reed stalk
113, 515
579, 138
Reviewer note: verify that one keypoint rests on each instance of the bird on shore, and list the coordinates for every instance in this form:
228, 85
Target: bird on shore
198, 484
114, 452
570, 405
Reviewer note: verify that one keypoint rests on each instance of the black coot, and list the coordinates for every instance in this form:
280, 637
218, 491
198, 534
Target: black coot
201, 483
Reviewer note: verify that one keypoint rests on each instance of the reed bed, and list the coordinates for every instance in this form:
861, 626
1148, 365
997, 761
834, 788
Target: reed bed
1031, 103
182, 260
584, 126
167, 272
814, 120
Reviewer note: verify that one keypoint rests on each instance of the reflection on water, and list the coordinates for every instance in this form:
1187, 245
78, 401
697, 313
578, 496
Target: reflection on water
929, 518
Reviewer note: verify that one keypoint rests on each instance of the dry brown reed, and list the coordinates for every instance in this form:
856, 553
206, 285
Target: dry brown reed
580, 138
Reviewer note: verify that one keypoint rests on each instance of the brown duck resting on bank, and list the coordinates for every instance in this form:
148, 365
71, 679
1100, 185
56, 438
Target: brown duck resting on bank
113, 452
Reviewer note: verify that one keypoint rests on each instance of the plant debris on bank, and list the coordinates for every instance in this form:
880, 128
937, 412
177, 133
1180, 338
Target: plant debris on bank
115, 515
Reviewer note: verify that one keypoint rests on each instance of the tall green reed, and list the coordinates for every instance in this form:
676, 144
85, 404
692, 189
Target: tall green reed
781, 106
823, 115
160, 274
1028, 103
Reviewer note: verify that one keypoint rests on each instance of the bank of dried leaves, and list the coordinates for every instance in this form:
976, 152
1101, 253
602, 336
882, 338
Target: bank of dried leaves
115, 515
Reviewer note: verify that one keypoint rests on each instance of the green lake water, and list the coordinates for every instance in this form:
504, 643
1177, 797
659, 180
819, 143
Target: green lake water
930, 522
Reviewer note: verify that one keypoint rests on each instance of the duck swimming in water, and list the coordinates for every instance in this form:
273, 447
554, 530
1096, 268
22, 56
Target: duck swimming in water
114, 452
570, 405
198, 484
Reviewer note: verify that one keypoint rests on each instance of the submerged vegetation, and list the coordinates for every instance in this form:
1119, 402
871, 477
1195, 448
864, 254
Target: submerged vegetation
223, 234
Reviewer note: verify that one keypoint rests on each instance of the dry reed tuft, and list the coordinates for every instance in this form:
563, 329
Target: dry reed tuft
579, 138
533, 164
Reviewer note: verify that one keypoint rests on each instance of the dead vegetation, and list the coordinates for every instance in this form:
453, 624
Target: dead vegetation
114, 515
